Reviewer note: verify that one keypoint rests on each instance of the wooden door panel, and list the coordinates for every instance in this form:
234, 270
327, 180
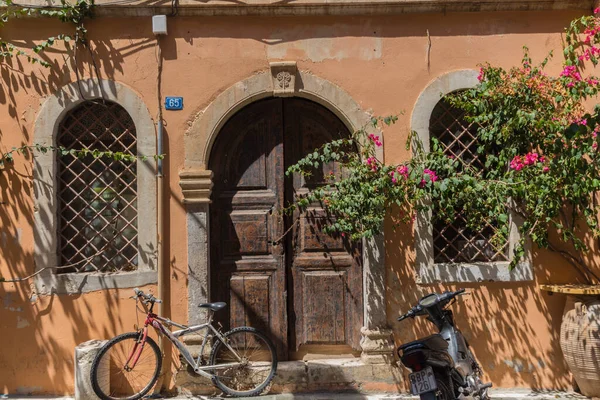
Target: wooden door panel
248, 167
317, 309
247, 270
312, 237
325, 272
246, 232
250, 300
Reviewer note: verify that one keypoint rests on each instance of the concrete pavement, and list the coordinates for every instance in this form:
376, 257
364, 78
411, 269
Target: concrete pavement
495, 394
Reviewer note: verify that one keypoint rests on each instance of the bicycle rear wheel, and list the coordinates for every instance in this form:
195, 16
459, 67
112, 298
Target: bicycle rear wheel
112, 376
252, 371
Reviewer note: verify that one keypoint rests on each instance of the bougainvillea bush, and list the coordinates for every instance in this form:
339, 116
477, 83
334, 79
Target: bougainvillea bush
539, 146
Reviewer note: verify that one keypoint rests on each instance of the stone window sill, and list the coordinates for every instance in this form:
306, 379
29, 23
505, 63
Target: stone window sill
74, 283
475, 272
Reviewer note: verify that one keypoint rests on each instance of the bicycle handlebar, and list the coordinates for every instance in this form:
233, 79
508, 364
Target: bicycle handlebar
146, 298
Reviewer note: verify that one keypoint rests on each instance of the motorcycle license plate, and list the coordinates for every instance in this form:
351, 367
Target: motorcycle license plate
422, 381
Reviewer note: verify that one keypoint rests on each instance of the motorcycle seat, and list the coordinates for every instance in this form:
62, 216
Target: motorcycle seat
433, 342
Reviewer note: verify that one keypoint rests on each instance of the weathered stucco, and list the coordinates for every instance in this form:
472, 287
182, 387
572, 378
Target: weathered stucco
325, 7
513, 327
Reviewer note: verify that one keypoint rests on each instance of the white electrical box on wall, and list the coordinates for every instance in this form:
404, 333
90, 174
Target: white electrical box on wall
159, 24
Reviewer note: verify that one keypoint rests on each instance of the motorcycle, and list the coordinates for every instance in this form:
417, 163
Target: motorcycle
442, 365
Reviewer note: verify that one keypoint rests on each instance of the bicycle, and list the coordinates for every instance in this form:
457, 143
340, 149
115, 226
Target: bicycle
242, 361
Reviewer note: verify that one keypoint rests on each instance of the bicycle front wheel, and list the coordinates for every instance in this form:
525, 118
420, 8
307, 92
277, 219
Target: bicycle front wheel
123, 370
245, 363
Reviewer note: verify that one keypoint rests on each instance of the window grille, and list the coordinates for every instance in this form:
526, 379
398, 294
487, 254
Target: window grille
455, 242
97, 196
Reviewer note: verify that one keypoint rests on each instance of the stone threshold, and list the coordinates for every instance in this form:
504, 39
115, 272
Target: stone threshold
349, 374
495, 394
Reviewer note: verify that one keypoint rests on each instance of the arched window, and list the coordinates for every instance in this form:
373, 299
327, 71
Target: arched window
455, 242
96, 216
452, 252
97, 213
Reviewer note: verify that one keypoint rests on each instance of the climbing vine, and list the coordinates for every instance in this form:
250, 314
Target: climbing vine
74, 14
539, 143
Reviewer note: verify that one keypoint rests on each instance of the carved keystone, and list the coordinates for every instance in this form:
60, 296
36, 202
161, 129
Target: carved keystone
284, 78
196, 186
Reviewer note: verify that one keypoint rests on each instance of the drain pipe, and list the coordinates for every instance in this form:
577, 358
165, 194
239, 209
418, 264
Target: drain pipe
159, 27
160, 263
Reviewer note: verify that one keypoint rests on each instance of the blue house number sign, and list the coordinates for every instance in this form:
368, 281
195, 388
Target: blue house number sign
174, 103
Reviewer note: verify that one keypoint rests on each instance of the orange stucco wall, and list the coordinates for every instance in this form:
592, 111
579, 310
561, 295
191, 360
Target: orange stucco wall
382, 62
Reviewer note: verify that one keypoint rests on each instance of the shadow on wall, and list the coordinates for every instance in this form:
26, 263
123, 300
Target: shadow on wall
513, 327
39, 333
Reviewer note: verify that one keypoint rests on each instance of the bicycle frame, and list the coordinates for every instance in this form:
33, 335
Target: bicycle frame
158, 323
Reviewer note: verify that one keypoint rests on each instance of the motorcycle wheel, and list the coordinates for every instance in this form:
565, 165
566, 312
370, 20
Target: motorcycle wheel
445, 387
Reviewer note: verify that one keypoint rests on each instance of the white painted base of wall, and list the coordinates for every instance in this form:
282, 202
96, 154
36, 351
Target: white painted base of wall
84, 357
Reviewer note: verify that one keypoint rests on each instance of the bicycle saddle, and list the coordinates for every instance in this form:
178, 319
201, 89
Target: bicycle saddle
213, 306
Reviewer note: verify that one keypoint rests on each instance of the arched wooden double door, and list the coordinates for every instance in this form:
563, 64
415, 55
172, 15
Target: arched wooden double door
303, 288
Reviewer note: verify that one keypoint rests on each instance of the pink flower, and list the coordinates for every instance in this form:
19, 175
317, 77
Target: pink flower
545, 169
403, 170
432, 176
568, 70
375, 139
481, 74
531, 158
372, 163
597, 10
594, 145
516, 163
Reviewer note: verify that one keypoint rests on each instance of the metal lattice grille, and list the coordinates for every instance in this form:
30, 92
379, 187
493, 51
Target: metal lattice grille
455, 242
97, 196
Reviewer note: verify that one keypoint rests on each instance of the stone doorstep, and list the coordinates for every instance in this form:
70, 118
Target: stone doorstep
496, 394
313, 376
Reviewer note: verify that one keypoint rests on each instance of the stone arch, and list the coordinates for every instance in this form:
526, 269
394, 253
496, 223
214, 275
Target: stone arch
283, 80
433, 93
45, 169
205, 128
